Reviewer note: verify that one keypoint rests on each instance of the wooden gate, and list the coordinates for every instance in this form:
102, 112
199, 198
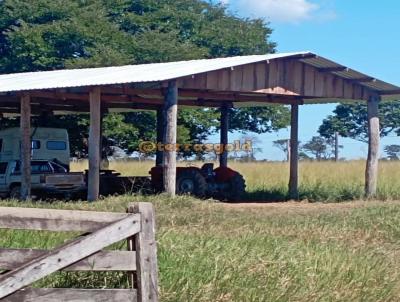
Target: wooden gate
22, 267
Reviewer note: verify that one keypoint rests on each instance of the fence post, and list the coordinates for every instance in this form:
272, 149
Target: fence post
146, 253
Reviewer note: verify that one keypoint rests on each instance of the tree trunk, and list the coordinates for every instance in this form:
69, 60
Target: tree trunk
94, 144
170, 120
160, 136
223, 157
26, 147
336, 146
371, 173
294, 153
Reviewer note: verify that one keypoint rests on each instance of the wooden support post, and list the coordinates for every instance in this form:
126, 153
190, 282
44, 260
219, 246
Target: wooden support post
160, 136
104, 163
294, 153
94, 144
336, 146
371, 173
170, 122
26, 147
223, 157
146, 253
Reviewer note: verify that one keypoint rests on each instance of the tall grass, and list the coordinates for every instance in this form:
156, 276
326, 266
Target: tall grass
210, 251
319, 181
288, 252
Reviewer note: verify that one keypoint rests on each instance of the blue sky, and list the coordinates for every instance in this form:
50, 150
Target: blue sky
363, 35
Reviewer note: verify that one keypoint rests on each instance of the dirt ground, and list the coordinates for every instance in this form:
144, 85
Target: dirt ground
304, 206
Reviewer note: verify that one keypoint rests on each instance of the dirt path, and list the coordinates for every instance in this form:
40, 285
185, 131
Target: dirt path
305, 207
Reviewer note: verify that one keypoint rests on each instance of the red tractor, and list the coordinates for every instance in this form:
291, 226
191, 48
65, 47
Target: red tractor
221, 183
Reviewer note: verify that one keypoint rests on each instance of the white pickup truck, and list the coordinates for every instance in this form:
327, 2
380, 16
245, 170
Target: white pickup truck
49, 179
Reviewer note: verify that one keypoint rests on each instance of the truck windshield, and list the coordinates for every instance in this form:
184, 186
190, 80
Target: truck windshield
37, 167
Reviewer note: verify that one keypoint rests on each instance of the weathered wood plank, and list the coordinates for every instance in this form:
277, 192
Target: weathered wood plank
273, 75
201, 81
282, 75
248, 78
260, 76
319, 83
94, 144
236, 78
146, 253
224, 80
297, 74
288, 75
102, 261
339, 85
71, 295
309, 84
26, 145
68, 254
212, 80
348, 90
55, 220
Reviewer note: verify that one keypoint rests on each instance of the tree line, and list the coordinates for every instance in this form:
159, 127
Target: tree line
350, 121
54, 34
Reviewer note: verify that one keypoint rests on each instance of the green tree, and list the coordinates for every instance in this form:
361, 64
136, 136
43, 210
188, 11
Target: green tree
283, 145
54, 34
393, 151
260, 119
351, 120
319, 147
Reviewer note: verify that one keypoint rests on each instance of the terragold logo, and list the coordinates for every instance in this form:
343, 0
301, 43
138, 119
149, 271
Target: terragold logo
236, 146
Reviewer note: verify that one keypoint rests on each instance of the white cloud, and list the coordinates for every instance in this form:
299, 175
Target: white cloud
291, 11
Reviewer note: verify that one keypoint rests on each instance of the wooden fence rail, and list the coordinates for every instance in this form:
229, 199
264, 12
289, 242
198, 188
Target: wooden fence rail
22, 267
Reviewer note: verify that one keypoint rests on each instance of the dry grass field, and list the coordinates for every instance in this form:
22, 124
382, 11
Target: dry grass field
294, 251
254, 252
319, 181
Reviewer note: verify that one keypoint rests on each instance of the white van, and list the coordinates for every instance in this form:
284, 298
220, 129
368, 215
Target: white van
50, 144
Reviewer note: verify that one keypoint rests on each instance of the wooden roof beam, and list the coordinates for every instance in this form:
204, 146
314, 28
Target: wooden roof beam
207, 95
364, 80
59, 95
388, 92
332, 69
302, 56
200, 98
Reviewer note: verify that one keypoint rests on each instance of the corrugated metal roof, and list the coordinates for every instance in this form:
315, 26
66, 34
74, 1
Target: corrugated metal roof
125, 74
157, 72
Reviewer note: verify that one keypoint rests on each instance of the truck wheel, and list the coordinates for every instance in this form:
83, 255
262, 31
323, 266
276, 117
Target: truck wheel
191, 182
234, 189
15, 192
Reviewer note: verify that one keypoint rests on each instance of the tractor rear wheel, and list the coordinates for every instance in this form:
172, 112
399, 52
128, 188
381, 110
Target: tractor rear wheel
234, 189
191, 182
